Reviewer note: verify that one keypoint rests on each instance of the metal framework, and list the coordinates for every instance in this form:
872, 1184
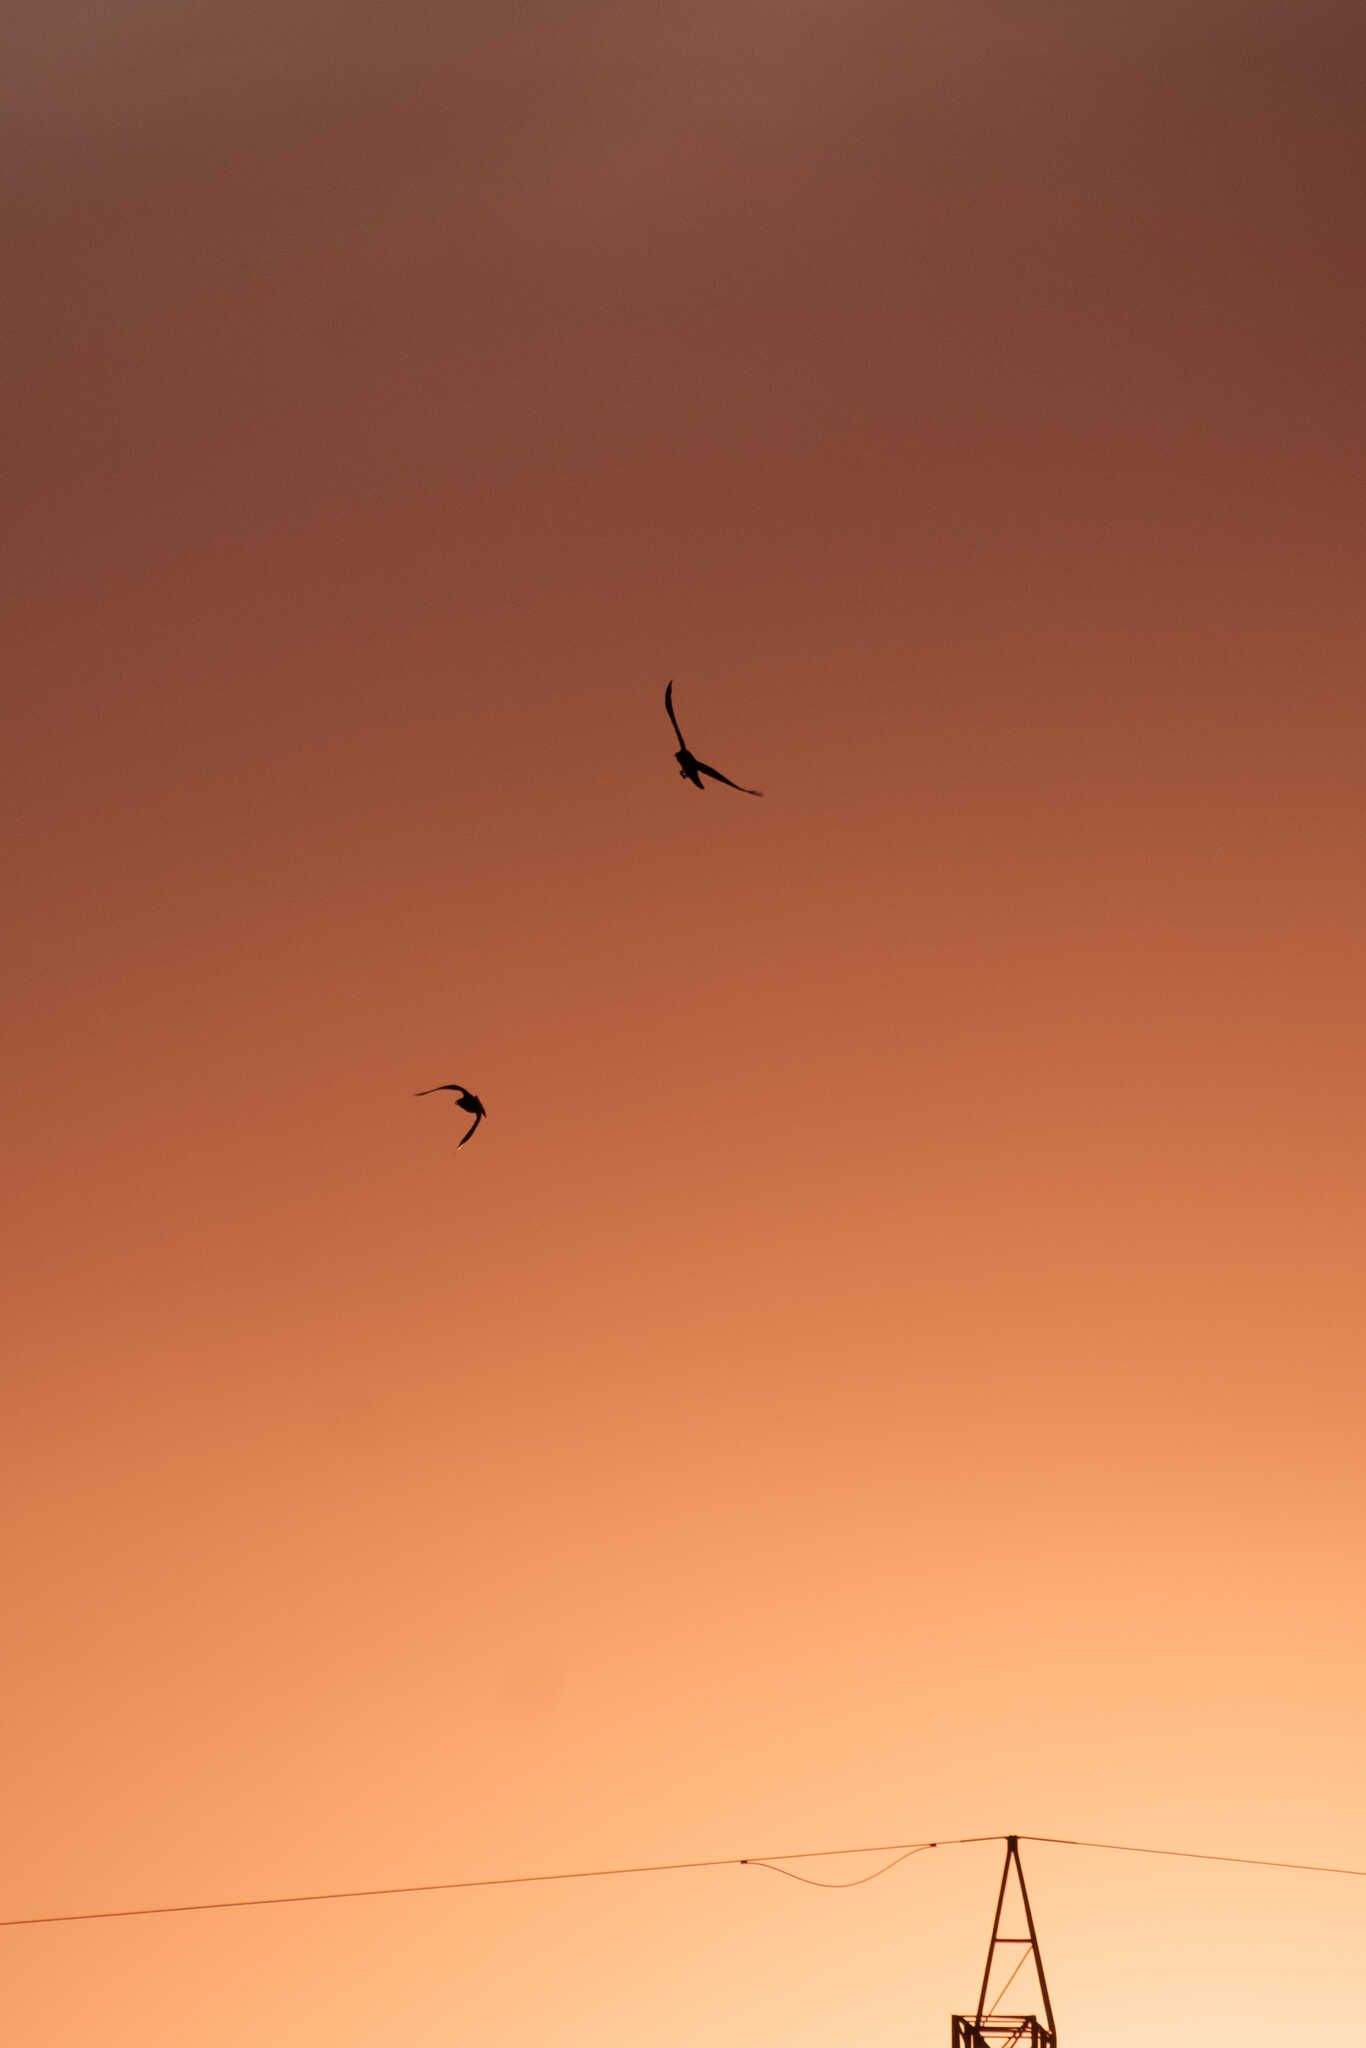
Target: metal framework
1005, 2030
988, 2028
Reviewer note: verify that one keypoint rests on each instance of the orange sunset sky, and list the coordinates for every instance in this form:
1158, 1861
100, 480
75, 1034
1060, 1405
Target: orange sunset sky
890, 1365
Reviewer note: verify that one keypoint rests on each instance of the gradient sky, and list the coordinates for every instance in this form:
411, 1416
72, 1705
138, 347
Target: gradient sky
890, 1365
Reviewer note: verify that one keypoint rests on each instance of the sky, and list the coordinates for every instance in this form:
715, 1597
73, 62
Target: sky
889, 1366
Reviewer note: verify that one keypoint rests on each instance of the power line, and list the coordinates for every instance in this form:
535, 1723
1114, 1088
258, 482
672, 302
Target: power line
1197, 1855
470, 1884
899, 1852
842, 1884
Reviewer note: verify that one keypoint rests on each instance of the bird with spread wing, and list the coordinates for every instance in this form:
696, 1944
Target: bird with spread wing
689, 767
471, 1105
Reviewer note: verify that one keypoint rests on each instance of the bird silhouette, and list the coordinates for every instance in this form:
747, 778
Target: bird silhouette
689, 767
463, 1100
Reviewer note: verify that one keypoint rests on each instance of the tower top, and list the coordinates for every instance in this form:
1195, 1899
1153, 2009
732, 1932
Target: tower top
1008, 1956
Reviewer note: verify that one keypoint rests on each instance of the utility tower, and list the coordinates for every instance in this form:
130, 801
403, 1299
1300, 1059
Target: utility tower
988, 2028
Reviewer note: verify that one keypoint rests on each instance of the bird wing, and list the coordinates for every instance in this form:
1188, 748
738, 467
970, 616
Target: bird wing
472, 1129
669, 707
442, 1088
717, 776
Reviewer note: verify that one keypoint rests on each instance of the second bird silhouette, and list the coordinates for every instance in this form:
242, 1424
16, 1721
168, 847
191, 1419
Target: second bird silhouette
471, 1105
689, 767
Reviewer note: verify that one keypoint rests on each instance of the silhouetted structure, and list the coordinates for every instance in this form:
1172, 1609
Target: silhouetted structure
988, 2028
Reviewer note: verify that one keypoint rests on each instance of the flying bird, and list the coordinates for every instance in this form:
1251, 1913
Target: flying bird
471, 1105
689, 767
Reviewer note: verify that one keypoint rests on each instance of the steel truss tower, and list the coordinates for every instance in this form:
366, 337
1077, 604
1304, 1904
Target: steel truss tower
988, 2028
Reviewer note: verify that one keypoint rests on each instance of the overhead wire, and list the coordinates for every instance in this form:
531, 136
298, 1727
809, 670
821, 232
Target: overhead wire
841, 1884
900, 1852
1196, 1855
469, 1884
